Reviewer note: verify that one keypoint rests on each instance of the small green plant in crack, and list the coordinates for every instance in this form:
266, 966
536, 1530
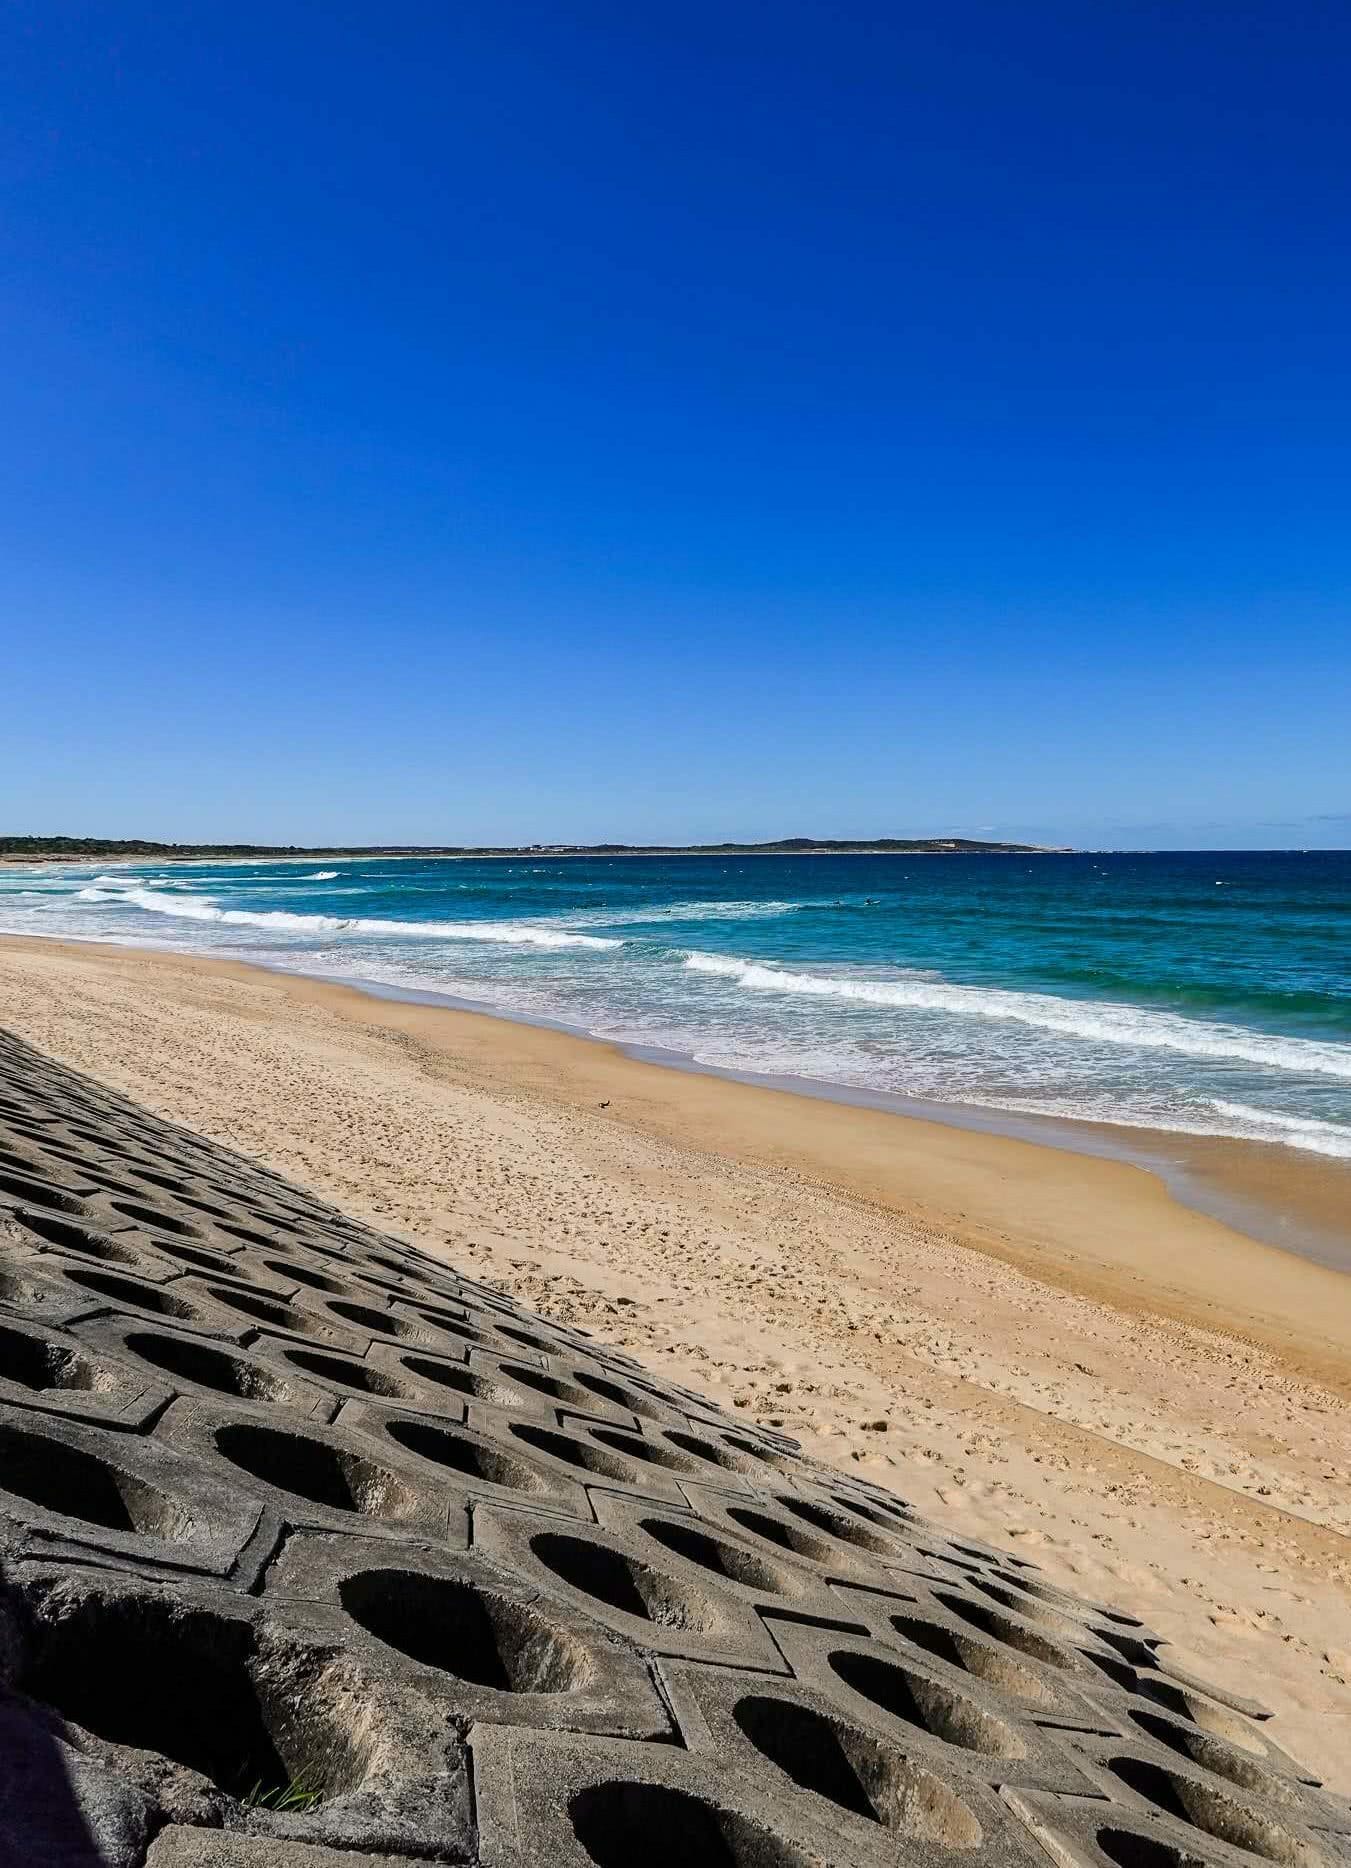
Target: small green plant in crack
295, 1796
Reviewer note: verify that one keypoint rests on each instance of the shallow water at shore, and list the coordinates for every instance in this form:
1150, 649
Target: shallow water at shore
1201, 995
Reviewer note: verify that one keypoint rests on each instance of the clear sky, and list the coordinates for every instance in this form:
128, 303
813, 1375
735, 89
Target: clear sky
526, 422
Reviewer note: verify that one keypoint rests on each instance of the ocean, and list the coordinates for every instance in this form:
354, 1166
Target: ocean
1200, 993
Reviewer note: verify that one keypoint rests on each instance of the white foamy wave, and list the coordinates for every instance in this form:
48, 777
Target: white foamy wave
1308, 1132
1135, 1026
715, 911
321, 875
1229, 1122
639, 916
202, 908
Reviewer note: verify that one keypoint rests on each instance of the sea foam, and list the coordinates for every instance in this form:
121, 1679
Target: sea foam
1137, 1026
203, 908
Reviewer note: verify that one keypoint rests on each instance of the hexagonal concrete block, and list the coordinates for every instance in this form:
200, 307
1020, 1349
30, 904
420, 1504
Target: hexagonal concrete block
192, 1364
773, 1582
1224, 1795
221, 1711
883, 1799
181, 1847
473, 1639
937, 1625
1087, 1832
94, 1489
56, 1372
316, 1477
930, 1708
483, 1460
671, 1607
575, 1455
607, 1803
353, 1372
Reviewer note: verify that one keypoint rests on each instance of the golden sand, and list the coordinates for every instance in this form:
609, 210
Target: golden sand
1039, 1347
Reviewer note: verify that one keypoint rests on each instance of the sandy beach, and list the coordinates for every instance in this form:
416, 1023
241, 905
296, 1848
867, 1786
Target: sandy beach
1039, 1347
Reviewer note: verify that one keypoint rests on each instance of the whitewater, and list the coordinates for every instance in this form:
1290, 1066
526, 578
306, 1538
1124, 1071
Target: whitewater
1202, 993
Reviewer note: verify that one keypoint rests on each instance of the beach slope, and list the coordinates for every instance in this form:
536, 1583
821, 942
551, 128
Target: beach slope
1041, 1348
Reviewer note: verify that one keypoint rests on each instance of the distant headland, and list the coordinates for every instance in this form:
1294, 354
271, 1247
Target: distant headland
131, 849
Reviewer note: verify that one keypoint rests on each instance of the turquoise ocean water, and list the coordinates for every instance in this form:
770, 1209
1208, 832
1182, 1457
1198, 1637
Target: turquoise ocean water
1201, 993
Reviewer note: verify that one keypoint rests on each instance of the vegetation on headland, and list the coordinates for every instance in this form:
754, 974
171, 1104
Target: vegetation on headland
129, 849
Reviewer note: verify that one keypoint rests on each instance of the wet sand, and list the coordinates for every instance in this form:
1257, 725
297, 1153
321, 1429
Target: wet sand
1041, 1346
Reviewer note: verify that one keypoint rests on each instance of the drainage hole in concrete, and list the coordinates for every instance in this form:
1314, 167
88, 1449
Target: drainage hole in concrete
475, 1458
861, 1773
455, 1375
155, 1217
204, 1261
563, 1392
710, 1553
613, 1392
1213, 1754
367, 1319
472, 1633
1026, 1605
575, 1452
1003, 1628
781, 1462
622, 1583
925, 1703
129, 1291
706, 1450
209, 1367
1207, 1805
357, 1375
835, 1524
247, 1234
618, 1824
979, 1658
1128, 1849
39, 1194
304, 1274
169, 1182
205, 1206
1208, 1714
649, 1451
786, 1536
452, 1323
66, 1479
39, 1362
75, 1238
326, 1475
884, 1511
262, 1309
186, 1684
524, 1337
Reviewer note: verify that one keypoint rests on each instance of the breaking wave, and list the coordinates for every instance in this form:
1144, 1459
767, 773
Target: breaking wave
280, 920
653, 915
1135, 1026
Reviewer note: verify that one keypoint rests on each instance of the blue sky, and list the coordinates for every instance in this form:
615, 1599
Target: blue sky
521, 422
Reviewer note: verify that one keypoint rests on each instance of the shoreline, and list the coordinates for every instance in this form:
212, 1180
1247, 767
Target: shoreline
1223, 1177
1097, 1221
1291, 1200
1040, 1350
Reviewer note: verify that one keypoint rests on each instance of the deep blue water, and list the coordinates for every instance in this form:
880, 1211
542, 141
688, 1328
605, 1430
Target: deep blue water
1197, 992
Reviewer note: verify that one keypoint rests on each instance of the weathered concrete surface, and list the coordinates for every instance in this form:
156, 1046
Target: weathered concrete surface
315, 1554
